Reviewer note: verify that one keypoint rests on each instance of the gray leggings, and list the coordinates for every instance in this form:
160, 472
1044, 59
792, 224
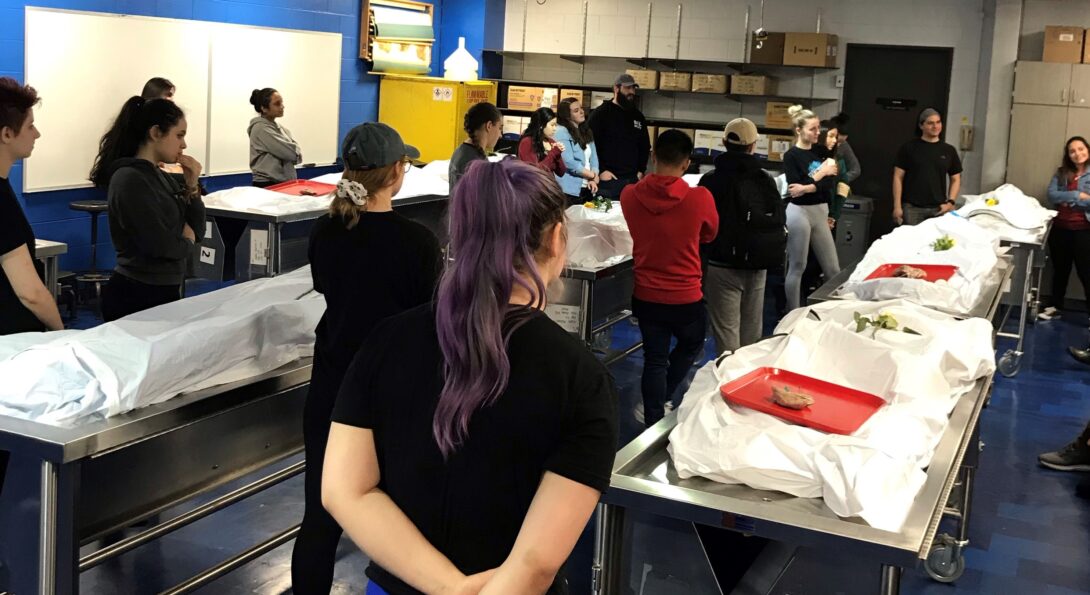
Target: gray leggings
808, 226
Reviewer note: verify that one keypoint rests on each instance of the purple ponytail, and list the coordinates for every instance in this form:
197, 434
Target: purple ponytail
499, 214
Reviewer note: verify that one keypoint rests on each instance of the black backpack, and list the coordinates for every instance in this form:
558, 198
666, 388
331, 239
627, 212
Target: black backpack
752, 220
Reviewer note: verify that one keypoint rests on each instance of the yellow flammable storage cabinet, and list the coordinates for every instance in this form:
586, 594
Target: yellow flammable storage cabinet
429, 111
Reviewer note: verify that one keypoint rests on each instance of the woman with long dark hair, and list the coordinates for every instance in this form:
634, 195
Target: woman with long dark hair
539, 146
472, 438
483, 124
580, 154
370, 263
155, 217
1069, 240
273, 152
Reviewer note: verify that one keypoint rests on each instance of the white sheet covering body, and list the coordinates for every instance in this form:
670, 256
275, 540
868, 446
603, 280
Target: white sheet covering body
1014, 218
151, 356
597, 239
975, 253
875, 473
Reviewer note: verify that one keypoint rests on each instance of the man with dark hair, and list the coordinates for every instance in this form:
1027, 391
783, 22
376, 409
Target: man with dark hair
668, 220
920, 174
752, 239
620, 136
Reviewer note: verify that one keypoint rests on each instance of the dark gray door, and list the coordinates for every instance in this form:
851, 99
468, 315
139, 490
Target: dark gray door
885, 88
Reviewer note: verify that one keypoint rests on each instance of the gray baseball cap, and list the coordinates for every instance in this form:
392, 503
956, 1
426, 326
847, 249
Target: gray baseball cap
373, 145
625, 80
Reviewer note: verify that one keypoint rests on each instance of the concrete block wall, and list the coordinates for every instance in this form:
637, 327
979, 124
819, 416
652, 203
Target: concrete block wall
715, 30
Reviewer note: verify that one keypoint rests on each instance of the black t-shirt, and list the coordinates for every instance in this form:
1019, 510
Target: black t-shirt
926, 166
558, 414
384, 265
15, 231
799, 166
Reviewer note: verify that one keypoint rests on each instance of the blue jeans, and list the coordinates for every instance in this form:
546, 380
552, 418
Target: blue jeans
612, 189
663, 368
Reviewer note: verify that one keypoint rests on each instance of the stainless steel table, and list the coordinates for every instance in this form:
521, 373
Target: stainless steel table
49, 252
986, 308
589, 301
66, 487
1024, 294
644, 479
272, 255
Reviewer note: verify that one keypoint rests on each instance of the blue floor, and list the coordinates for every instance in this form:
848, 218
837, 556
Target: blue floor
1030, 533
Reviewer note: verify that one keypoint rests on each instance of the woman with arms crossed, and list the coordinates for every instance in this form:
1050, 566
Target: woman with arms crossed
472, 438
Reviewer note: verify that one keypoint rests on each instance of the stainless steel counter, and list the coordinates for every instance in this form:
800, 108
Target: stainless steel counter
49, 252
65, 487
644, 479
588, 301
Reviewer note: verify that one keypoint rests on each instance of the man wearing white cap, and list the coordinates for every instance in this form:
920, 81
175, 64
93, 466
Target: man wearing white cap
923, 164
620, 135
752, 238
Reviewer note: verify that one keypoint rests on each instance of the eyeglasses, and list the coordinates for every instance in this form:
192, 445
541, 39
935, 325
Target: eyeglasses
407, 164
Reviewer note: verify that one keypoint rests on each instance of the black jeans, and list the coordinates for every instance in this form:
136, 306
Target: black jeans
1068, 247
314, 553
123, 296
612, 189
585, 195
663, 368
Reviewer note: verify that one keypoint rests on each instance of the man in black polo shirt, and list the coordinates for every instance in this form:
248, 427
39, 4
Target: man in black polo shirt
620, 135
920, 191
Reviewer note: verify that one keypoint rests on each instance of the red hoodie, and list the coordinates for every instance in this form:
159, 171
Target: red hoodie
668, 220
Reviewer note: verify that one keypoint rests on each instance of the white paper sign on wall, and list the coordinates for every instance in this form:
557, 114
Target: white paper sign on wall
259, 246
568, 317
208, 255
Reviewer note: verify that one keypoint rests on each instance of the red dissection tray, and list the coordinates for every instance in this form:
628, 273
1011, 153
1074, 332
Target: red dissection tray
836, 409
935, 272
302, 188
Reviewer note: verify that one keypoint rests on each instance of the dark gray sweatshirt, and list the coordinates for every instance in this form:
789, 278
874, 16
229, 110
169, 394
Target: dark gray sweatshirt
273, 152
148, 210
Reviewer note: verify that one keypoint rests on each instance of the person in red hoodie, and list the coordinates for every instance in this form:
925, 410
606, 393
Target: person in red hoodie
668, 220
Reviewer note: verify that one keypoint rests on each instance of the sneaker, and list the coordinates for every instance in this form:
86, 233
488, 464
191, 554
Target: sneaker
1049, 313
669, 406
1081, 355
638, 412
1073, 457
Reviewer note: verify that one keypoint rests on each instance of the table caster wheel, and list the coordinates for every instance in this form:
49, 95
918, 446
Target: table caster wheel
1010, 363
945, 563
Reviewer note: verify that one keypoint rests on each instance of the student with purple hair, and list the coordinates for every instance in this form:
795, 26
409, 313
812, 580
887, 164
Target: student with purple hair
472, 437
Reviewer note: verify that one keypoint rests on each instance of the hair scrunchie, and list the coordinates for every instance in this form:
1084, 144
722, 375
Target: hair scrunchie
353, 191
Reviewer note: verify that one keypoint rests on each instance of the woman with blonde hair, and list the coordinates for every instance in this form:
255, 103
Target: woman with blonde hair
370, 263
811, 181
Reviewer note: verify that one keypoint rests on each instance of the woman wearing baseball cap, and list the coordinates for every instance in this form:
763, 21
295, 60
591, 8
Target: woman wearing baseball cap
370, 263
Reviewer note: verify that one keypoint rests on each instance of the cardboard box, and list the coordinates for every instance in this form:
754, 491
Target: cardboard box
652, 134
811, 49
646, 79
515, 124
749, 84
776, 115
551, 98
525, 98
710, 83
676, 81
598, 97
709, 142
1086, 50
1064, 44
778, 144
579, 95
768, 50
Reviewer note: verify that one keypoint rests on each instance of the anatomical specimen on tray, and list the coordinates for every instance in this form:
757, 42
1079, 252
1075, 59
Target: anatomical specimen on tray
785, 397
909, 272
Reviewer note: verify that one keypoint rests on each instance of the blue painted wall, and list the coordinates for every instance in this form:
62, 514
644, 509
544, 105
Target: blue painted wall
48, 211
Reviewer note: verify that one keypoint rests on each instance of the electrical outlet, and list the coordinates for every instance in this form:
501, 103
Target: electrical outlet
839, 81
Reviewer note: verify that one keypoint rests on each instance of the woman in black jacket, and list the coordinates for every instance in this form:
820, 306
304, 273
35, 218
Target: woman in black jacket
155, 218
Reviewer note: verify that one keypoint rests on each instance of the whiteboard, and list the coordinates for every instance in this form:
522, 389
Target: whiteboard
85, 65
304, 67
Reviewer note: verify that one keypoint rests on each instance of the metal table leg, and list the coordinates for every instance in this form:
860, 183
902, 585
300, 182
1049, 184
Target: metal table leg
273, 262
891, 580
47, 527
606, 570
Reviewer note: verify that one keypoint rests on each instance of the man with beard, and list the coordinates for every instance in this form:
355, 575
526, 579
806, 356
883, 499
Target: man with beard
620, 133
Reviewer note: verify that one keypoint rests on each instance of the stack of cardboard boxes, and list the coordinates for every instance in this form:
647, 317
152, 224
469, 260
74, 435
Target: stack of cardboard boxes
1066, 44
